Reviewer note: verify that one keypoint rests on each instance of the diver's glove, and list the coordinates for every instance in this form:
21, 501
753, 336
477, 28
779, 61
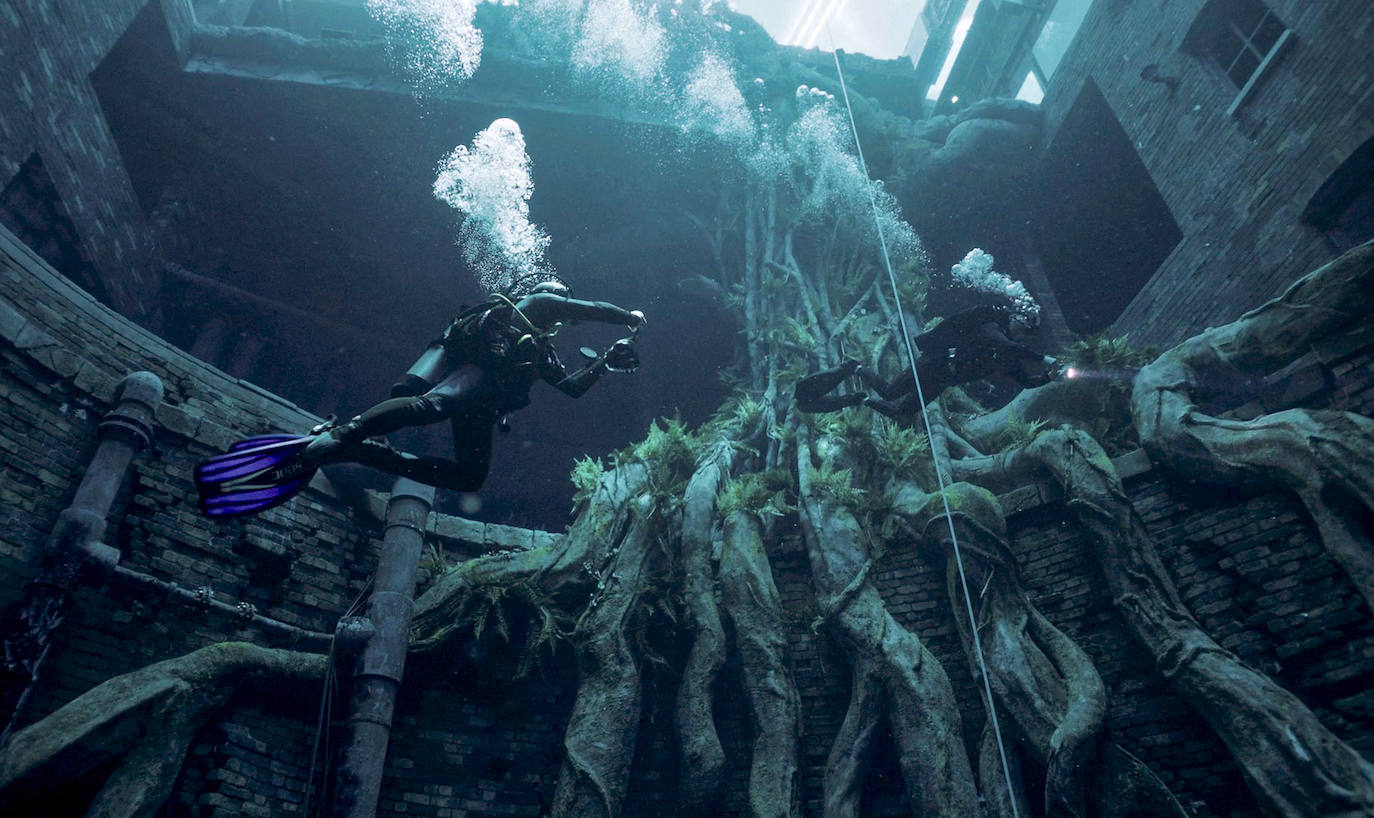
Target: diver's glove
1049, 369
622, 356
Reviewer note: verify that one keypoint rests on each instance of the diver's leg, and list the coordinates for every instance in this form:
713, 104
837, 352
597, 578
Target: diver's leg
472, 433
434, 471
893, 409
466, 471
891, 390
437, 404
812, 391
443, 401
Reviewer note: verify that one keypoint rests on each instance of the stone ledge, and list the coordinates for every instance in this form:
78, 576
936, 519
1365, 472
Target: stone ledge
1025, 498
472, 537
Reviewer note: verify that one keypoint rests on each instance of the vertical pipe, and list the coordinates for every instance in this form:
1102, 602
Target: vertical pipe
75, 542
377, 676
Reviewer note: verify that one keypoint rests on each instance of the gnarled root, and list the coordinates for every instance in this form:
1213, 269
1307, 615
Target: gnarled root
1051, 699
1325, 457
751, 601
560, 570
149, 718
600, 739
1292, 763
891, 666
703, 758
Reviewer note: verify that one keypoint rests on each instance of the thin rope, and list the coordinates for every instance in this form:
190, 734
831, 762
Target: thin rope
925, 417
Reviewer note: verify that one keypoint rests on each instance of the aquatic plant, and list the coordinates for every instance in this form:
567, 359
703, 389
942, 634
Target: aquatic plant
491, 185
762, 493
1015, 433
586, 477
1103, 352
902, 448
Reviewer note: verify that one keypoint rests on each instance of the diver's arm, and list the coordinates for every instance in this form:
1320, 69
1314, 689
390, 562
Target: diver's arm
577, 384
543, 309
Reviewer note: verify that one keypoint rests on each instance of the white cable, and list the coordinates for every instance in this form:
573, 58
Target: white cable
925, 416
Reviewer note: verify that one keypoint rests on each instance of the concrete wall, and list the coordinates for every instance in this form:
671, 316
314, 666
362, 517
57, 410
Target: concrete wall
1236, 185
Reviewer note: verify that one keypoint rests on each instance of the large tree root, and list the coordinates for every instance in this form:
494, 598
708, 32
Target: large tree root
752, 603
1292, 763
1325, 457
703, 758
564, 571
894, 674
600, 739
146, 719
1052, 700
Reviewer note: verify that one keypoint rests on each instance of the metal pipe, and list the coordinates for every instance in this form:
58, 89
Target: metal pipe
271, 305
74, 545
300, 638
377, 675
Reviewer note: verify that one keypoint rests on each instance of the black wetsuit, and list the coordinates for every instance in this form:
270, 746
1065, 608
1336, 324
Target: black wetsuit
966, 347
483, 367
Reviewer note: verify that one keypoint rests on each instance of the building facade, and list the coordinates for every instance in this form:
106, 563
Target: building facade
1197, 156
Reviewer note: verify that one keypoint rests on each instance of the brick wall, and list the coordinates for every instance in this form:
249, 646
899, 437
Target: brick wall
48, 49
1237, 185
471, 738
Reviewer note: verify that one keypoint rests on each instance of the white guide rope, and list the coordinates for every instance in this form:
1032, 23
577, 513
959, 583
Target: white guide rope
939, 469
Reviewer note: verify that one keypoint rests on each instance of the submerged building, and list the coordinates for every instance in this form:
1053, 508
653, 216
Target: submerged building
216, 220
1194, 155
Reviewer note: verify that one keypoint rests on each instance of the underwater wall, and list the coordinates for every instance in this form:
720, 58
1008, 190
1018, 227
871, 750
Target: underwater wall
474, 736
1237, 169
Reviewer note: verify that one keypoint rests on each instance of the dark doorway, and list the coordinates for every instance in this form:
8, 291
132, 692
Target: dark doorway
1343, 207
1103, 227
32, 209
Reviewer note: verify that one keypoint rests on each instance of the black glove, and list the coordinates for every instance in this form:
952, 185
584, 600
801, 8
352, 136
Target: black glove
622, 356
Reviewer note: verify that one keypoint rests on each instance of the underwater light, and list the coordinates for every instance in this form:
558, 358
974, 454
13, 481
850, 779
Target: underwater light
1072, 372
821, 23
804, 21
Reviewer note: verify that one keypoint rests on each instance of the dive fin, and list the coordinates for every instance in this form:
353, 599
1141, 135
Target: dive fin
261, 440
255, 474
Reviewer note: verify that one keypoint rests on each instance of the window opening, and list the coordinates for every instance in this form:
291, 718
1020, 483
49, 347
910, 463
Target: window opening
956, 44
1031, 90
1343, 207
32, 209
1061, 26
1103, 228
1242, 37
1249, 32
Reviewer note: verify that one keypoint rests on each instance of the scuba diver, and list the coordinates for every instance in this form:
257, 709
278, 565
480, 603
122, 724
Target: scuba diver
481, 369
968, 346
